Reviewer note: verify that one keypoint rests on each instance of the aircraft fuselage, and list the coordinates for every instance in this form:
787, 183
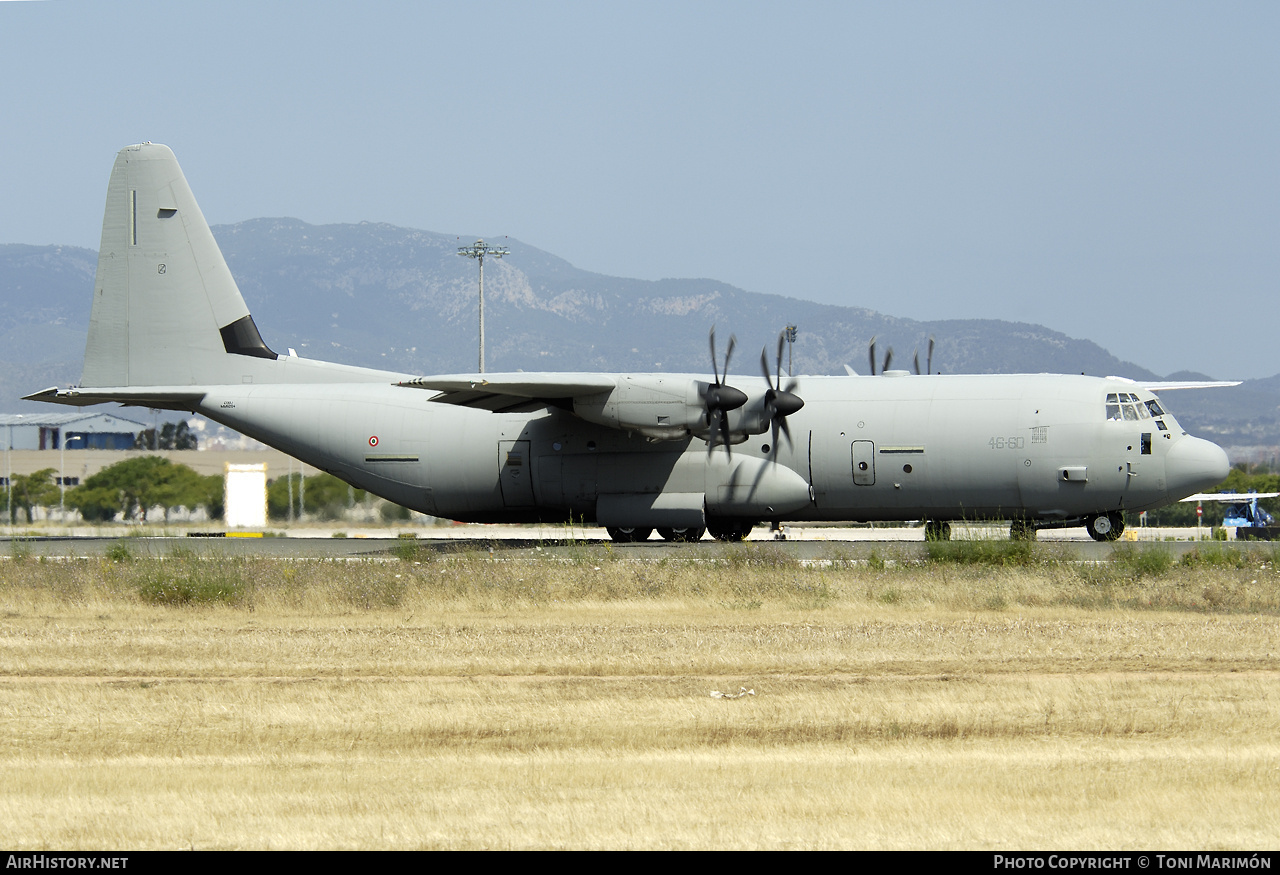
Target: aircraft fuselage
901, 447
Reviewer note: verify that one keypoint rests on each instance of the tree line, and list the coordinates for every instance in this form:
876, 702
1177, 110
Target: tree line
135, 487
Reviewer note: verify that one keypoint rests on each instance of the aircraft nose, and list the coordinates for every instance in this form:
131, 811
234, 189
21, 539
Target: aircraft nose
1193, 465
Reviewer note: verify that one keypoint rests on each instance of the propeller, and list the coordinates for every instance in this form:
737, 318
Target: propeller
928, 367
720, 399
888, 358
779, 403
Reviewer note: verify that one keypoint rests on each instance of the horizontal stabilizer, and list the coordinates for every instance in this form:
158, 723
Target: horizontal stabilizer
159, 397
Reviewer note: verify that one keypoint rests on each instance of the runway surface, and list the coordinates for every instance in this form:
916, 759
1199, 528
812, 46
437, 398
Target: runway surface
811, 543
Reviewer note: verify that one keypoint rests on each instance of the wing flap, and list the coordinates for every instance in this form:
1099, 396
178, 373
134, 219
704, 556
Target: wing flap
502, 393
520, 384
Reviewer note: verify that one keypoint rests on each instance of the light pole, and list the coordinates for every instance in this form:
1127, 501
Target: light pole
791, 338
478, 251
8, 480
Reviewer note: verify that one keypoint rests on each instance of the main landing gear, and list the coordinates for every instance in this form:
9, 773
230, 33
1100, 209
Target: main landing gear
689, 533
628, 534
729, 530
937, 530
721, 530
1022, 530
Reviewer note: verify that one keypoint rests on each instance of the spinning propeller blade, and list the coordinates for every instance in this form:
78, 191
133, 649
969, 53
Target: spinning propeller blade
779, 403
720, 399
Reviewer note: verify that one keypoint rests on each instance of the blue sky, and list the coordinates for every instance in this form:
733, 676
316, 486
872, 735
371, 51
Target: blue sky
1109, 170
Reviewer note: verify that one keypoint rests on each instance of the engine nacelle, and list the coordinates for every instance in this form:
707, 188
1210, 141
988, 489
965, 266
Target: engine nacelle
667, 408
657, 406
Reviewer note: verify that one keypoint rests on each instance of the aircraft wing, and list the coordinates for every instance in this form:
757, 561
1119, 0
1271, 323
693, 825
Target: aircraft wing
1161, 385
1234, 497
500, 392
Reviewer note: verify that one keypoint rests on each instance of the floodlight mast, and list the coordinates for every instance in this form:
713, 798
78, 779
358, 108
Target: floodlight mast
478, 251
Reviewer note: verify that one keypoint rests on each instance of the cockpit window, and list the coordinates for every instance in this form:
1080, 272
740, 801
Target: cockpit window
1128, 407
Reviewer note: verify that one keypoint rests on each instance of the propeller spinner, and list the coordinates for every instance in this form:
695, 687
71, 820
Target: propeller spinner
779, 403
720, 399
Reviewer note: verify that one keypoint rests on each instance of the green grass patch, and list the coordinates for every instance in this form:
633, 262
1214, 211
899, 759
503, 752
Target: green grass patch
1002, 554
119, 552
1139, 562
182, 578
1216, 555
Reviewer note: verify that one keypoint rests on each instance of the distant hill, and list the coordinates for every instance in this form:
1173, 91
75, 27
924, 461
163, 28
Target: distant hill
401, 298
383, 296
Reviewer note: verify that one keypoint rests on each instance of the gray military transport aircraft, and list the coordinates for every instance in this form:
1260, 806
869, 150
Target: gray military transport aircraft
631, 452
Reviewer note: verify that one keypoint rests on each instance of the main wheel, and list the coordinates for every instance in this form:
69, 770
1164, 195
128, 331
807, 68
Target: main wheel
937, 530
729, 530
1105, 526
687, 533
628, 534
1022, 530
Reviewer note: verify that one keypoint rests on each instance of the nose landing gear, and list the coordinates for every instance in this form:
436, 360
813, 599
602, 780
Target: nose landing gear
1105, 526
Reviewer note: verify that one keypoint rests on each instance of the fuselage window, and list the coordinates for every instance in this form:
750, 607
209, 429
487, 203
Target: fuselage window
1155, 408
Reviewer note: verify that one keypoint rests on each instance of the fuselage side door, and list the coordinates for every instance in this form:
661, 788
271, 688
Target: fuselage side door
864, 463
514, 473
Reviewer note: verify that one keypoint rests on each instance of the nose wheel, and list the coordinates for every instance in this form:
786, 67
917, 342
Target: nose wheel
1105, 526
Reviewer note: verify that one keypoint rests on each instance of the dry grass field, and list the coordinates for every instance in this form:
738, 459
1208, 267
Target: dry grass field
993, 697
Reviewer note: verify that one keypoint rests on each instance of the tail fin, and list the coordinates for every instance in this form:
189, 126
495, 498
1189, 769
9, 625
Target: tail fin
165, 308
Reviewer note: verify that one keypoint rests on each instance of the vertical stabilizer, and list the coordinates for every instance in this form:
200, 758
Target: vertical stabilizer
165, 308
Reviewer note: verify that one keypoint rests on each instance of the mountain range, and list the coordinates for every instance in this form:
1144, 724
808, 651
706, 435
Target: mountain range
388, 297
